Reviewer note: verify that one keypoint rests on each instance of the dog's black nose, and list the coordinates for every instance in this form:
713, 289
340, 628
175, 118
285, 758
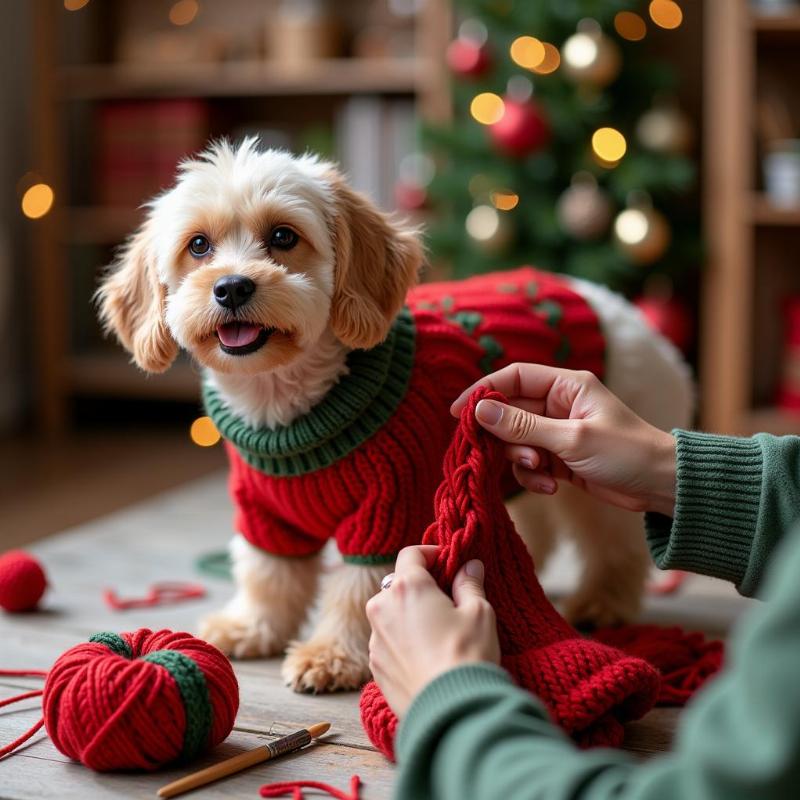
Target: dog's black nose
232, 291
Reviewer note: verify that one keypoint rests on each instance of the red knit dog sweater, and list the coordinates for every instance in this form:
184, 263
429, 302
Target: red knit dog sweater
591, 689
363, 465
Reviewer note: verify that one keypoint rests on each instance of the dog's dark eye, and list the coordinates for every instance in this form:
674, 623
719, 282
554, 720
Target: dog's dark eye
199, 246
283, 238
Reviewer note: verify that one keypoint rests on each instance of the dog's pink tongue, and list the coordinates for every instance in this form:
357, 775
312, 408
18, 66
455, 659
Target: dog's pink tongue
238, 334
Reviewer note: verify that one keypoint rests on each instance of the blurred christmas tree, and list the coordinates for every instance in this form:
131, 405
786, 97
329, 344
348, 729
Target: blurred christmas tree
566, 149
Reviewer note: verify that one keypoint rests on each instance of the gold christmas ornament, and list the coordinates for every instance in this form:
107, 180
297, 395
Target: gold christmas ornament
489, 229
642, 233
584, 210
665, 129
590, 57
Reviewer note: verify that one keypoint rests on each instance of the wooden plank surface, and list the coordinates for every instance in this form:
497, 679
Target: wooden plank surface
157, 540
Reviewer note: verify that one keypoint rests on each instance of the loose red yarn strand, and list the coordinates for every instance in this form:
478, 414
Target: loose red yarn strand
159, 594
22, 673
296, 788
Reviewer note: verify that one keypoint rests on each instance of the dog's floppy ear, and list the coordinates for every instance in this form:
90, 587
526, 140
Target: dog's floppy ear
377, 262
131, 302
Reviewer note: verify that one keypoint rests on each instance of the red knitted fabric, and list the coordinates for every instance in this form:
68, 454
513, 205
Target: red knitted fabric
377, 498
590, 689
685, 660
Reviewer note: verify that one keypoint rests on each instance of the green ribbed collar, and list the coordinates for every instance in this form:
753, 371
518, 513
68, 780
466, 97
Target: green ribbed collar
352, 411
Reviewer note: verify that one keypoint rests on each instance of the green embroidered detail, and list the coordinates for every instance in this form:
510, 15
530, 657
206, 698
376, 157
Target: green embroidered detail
447, 303
467, 320
194, 693
532, 288
506, 288
492, 350
551, 311
352, 411
370, 560
114, 642
564, 350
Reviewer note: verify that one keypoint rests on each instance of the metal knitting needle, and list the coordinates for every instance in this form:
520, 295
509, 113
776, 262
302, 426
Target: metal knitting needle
280, 747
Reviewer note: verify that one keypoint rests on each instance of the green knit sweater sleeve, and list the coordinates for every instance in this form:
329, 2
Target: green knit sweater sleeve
472, 735
735, 500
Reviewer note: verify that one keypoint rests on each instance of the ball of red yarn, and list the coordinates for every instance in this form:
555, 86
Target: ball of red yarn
22, 581
139, 700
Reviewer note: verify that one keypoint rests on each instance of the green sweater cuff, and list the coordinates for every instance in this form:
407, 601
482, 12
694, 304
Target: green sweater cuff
446, 694
716, 507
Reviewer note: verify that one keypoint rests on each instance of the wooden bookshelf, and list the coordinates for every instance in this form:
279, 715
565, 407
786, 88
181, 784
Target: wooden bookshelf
752, 245
245, 79
76, 73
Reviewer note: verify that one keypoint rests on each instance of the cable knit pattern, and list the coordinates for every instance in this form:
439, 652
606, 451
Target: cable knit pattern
590, 689
363, 465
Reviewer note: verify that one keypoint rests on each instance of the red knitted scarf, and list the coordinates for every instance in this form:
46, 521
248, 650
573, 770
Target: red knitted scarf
590, 688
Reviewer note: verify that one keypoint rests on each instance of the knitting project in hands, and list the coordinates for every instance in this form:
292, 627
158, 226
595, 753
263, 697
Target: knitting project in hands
590, 689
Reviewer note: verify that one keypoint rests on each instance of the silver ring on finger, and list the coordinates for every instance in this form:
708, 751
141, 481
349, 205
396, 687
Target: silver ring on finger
386, 580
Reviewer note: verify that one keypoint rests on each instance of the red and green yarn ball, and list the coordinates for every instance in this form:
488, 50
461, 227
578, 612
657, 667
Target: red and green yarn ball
22, 581
139, 700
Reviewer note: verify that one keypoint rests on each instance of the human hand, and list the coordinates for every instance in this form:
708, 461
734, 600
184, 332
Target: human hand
562, 424
418, 632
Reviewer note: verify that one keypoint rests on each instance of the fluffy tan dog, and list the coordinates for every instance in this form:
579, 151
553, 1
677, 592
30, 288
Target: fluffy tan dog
271, 272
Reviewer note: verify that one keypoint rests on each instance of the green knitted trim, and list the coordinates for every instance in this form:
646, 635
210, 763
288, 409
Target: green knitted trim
216, 564
492, 350
352, 411
370, 560
114, 642
194, 694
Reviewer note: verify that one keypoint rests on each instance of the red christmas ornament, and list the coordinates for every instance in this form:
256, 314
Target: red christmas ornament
22, 581
522, 129
670, 317
467, 58
409, 196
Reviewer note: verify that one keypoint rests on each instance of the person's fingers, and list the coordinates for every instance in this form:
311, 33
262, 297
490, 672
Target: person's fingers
468, 583
532, 381
515, 426
410, 558
523, 455
535, 480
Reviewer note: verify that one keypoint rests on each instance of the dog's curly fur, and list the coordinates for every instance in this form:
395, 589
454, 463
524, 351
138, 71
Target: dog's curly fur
338, 288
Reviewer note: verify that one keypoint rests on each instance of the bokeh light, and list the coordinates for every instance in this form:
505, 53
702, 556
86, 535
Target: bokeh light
666, 13
551, 62
183, 12
37, 200
482, 223
75, 5
204, 432
630, 26
632, 226
609, 145
527, 52
504, 200
487, 108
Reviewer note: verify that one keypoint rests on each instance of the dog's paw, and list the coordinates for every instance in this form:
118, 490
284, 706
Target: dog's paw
242, 635
324, 666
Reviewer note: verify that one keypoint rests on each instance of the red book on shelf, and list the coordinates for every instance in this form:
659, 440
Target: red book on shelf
140, 144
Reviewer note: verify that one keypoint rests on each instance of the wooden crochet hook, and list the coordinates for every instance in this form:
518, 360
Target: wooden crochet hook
280, 747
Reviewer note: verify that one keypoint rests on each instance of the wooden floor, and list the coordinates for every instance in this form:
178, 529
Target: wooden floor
160, 539
48, 486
